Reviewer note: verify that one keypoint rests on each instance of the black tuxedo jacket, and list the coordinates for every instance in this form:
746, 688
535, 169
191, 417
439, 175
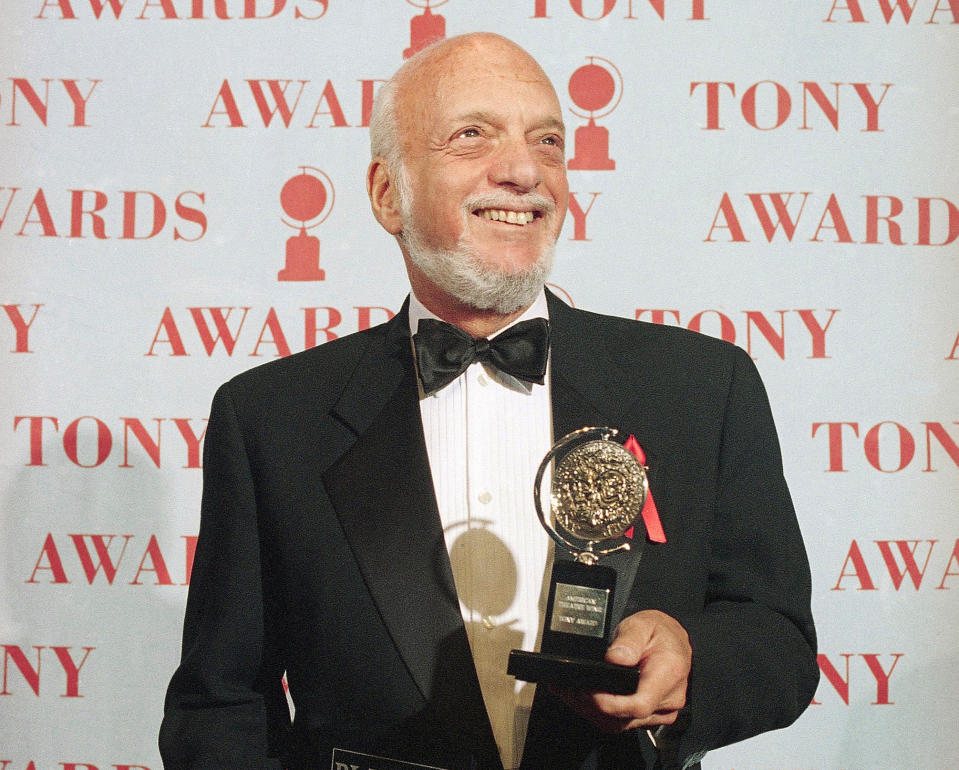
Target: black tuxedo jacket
321, 554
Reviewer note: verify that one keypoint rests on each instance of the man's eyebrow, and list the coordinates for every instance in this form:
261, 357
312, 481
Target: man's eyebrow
478, 116
552, 123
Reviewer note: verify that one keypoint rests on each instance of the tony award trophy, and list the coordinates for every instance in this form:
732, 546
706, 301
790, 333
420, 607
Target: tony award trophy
596, 493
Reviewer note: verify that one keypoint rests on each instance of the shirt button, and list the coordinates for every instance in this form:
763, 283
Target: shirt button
485, 497
483, 380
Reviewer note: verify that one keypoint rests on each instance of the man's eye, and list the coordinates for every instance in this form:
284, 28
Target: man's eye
469, 133
555, 141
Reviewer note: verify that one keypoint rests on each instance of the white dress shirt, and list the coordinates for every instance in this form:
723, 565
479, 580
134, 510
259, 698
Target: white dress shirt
486, 434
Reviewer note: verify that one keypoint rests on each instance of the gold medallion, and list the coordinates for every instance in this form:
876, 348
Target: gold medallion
598, 490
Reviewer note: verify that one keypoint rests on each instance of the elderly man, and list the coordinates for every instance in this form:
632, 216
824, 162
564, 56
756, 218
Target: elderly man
367, 522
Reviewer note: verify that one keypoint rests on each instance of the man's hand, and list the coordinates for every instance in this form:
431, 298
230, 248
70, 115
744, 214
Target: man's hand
659, 645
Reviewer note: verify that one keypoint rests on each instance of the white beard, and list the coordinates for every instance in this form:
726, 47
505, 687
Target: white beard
461, 273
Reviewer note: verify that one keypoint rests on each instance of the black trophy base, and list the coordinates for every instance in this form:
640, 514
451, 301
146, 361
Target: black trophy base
578, 613
573, 673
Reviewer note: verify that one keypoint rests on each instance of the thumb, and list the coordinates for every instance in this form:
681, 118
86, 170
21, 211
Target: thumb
622, 654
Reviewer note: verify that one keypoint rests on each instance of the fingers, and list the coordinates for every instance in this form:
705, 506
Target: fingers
612, 713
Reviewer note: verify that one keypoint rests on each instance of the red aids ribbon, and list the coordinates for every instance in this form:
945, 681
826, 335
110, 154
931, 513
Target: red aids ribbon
654, 527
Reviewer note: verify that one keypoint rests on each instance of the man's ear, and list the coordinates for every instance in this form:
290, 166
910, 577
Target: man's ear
383, 198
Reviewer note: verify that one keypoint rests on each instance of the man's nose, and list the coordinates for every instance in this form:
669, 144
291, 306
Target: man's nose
515, 166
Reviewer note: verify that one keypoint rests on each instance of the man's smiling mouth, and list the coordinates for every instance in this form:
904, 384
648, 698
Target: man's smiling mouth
509, 216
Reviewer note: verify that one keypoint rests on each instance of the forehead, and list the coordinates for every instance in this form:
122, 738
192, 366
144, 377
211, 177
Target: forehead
497, 80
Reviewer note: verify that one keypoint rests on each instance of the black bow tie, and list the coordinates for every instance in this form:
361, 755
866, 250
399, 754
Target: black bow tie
443, 352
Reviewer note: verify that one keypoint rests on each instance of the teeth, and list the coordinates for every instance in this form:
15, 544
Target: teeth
512, 217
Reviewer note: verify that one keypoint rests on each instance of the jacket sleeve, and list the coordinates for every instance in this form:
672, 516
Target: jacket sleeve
754, 645
217, 704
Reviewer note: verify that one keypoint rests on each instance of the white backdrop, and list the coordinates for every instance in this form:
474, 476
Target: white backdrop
786, 175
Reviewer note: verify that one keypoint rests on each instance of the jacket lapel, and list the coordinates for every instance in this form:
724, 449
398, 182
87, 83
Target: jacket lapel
382, 492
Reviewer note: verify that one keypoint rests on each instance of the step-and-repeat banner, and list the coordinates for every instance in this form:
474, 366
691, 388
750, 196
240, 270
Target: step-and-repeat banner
182, 197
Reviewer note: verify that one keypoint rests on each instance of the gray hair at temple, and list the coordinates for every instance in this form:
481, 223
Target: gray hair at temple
384, 128
385, 139
384, 122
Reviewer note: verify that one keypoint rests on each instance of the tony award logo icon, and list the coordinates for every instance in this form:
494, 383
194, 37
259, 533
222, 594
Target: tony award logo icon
596, 90
304, 198
426, 28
